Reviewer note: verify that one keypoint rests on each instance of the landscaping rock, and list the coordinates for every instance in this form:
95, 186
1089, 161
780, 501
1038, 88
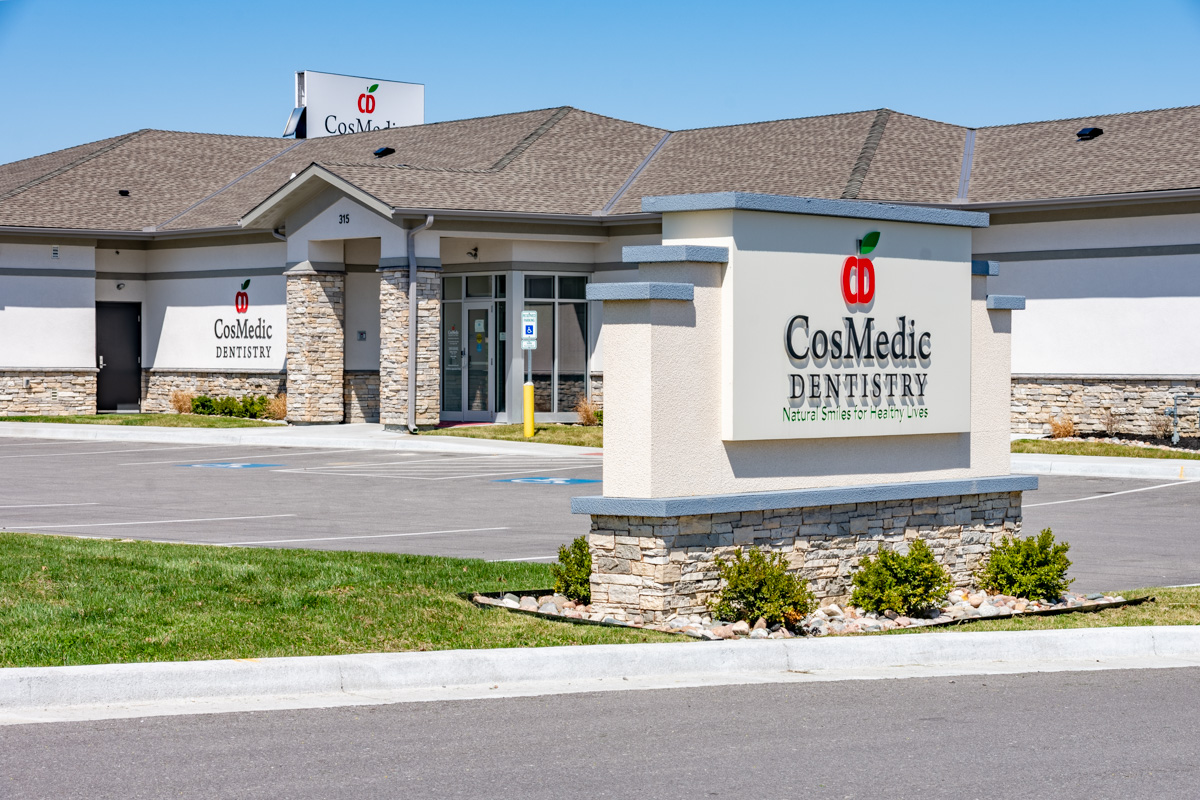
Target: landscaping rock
528, 604
740, 627
759, 633
548, 608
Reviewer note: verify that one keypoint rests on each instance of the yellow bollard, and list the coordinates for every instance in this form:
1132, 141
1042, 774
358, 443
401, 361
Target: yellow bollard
529, 411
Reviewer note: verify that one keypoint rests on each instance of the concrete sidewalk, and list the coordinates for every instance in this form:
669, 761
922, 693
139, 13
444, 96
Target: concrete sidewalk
357, 436
1166, 469
49, 694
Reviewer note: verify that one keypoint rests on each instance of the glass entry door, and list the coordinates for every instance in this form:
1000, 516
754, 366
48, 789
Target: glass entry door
477, 382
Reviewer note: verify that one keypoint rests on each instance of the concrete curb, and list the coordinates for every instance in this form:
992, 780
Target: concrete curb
367, 437
46, 693
1166, 469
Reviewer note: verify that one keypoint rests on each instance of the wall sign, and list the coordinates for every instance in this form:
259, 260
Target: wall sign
239, 336
821, 346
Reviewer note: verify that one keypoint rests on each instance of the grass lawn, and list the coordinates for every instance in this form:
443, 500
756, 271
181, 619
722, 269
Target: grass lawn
157, 420
591, 436
91, 601
1172, 607
1058, 447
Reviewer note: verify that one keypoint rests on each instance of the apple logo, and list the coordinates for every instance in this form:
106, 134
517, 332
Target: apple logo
366, 100
241, 301
858, 273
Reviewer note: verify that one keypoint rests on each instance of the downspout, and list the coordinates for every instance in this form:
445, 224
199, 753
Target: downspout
281, 237
413, 309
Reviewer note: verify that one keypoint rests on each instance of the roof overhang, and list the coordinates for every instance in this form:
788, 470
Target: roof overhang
1081, 201
308, 183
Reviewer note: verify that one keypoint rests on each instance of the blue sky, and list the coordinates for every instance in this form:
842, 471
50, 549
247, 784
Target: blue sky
79, 71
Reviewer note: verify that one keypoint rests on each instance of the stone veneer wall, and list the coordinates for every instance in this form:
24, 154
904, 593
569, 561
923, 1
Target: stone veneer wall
360, 394
597, 387
393, 346
157, 385
1103, 405
316, 313
47, 391
655, 567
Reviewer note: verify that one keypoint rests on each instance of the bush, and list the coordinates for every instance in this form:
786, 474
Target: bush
588, 412
573, 572
1033, 568
251, 407
277, 407
1062, 428
905, 584
181, 401
756, 584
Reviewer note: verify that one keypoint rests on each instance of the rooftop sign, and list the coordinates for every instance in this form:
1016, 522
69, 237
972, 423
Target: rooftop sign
337, 104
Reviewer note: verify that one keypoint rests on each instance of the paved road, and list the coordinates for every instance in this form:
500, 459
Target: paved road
1124, 533
1087, 735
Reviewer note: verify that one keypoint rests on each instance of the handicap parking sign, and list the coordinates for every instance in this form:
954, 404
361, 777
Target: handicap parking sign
547, 481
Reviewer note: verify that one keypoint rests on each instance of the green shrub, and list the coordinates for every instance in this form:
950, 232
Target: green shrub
573, 572
252, 407
1034, 568
600, 416
905, 584
756, 584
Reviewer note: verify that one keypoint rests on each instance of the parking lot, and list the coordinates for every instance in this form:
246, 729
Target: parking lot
480, 506
1123, 533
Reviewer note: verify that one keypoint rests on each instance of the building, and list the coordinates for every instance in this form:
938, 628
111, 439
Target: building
154, 261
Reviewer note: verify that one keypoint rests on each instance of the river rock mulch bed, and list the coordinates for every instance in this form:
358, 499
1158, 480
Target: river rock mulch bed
959, 606
1187, 444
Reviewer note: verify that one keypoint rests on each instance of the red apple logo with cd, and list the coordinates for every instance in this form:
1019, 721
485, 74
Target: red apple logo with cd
858, 273
241, 300
366, 100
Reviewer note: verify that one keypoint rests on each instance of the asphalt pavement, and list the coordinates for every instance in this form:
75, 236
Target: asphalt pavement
1086, 735
1124, 533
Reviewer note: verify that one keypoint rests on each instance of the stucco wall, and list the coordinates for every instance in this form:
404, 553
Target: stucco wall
1095, 314
663, 387
47, 321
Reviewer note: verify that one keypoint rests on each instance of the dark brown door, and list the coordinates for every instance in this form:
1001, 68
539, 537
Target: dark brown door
118, 355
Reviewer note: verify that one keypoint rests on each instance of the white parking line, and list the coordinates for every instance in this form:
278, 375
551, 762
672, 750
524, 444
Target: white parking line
241, 456
460, 476
372, 536
33, 527
102, 452
1111, 494
50, 505
532, 558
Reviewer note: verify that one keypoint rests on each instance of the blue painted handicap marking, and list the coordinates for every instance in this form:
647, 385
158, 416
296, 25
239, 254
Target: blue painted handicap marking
547, 481
229, 466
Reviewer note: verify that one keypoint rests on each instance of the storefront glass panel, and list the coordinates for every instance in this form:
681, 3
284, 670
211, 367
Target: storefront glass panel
572, 354
452, 347
478, 358
543, 356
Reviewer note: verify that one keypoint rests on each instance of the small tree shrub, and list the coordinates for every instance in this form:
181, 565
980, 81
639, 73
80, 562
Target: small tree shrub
203, 404
573, 572
1033, 568
905, 584
181, 401
756, 584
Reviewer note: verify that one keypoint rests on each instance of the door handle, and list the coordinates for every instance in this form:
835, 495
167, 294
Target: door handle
101, 362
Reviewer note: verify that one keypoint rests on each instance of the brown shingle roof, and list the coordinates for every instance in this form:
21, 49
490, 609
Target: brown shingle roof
567, 161
1143, 151
812, 157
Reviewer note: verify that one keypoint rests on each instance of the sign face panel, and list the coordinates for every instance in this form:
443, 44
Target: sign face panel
529, 330
339, 104
826, 345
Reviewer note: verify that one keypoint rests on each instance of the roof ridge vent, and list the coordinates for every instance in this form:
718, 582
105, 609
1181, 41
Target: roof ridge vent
1087, 134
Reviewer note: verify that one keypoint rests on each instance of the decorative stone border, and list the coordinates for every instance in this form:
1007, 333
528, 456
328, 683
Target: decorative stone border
963, 607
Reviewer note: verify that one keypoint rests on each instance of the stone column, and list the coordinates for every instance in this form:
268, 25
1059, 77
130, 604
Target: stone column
316, 313
393, 346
